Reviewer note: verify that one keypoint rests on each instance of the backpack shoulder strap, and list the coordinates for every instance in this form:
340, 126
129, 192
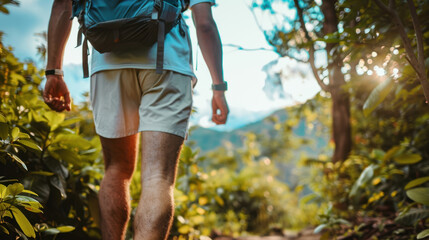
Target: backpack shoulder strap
185, 5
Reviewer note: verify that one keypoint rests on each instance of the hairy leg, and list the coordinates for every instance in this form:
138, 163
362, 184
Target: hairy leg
120, 156
160, 152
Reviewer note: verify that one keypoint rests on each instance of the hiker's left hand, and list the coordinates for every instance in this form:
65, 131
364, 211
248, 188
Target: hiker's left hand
56, 94
219, 107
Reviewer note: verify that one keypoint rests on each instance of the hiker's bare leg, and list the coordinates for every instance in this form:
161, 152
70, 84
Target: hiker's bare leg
154, 214
120, 156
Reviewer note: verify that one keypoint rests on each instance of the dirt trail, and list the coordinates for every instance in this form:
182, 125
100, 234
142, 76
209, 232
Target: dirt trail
303, 235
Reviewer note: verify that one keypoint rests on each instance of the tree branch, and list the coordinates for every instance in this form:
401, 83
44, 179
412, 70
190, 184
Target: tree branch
238, 47
311, 50
420, 49
296, 59
402, 33
417, 63
256, 19
419, 35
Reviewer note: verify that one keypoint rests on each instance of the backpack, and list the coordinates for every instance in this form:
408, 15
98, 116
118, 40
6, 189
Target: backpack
109, 34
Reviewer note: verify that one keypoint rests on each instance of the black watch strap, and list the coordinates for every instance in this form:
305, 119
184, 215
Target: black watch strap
220, 87
54, 72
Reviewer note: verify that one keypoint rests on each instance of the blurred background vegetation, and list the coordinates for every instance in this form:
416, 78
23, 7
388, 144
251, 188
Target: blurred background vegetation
353, 162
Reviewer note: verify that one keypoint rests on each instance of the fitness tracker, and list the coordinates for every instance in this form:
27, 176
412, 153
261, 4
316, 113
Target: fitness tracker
54, 72
220, 87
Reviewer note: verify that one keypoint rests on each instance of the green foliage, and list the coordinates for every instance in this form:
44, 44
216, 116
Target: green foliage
416, 182
423, 234
419, 195
53, 159
11, 203
56, 157
377, 96
3, 4
412, 216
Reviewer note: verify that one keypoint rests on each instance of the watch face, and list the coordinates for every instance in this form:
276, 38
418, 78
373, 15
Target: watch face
54, 72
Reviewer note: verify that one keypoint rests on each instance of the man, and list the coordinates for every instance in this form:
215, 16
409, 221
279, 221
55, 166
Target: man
128, 97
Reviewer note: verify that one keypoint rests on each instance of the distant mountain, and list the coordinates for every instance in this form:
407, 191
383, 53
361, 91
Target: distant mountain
208, 139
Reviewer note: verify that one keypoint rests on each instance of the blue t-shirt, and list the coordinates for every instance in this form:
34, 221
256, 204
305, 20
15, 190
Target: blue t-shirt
177, 51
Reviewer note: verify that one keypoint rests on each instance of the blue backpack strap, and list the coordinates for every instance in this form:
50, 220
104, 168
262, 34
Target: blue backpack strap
157, 11
165, 12
85, 54
160, 48
78, 11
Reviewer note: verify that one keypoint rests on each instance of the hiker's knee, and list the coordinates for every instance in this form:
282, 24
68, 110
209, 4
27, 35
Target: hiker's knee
157, 183
120, 155
120, 171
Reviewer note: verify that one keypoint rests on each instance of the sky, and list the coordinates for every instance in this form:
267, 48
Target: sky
245, 71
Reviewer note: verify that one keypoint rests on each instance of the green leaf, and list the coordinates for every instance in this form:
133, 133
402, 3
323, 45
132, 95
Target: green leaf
16, 158
29, 144
423, 234
185, 229
15, 133
4, 130
30, 192
54, 119
29, 203
412, 216
378, 154
8, 213
319, 228
2, 118
42, 173
14, 189
65, 229
342, 221
71, 121
17, 77
32, 209
23, 222
72, 141
3, 229
416, 182
8, 180
51, 231
3, 189
186, 154
363, 179
29, 200
377, 96
407, 158
67, 155
420, 195
308, 198
23, 135
392, 152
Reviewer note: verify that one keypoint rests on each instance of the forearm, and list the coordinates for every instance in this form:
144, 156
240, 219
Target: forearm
209, 42
58, 32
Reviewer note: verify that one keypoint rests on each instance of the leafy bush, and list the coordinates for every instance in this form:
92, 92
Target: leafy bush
54, 157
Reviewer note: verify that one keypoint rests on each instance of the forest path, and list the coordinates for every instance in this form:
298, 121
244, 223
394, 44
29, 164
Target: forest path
303, 235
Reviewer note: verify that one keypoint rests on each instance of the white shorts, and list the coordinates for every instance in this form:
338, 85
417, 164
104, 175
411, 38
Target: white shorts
128, 101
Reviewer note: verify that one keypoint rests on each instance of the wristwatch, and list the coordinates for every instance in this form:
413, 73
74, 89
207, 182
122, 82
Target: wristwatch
220, 87
54, 72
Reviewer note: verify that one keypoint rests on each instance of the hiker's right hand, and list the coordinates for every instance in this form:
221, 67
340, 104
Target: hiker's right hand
56, 94
220, 108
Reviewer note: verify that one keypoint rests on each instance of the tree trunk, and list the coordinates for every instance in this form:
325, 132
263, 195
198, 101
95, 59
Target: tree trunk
341, 128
